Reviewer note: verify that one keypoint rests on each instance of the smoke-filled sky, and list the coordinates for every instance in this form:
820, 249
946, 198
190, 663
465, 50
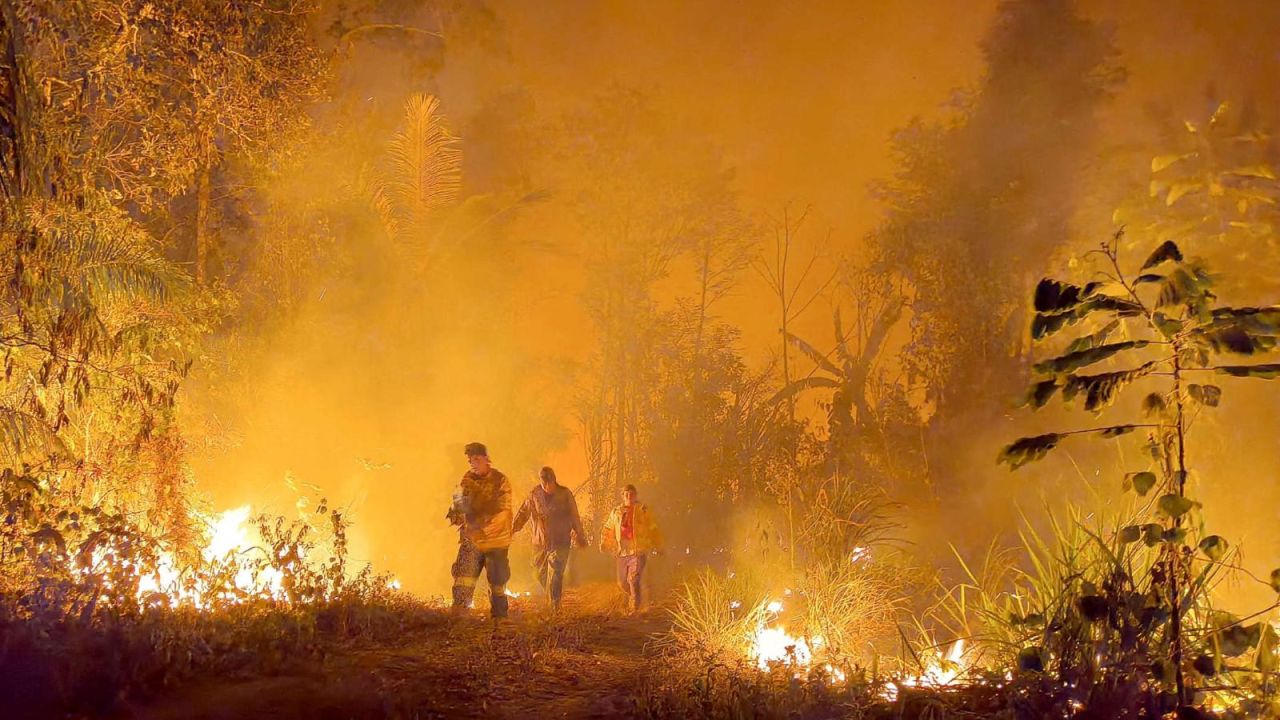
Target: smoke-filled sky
798, 100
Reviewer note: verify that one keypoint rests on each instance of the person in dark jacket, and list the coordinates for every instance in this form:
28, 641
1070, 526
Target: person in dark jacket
552, 513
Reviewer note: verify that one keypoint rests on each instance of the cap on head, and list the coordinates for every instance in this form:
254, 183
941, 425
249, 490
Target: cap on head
474, 449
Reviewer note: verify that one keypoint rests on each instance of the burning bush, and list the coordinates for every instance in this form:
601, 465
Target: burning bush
833, 616
95, 606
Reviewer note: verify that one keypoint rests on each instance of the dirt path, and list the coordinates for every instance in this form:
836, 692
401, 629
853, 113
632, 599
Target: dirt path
582, 663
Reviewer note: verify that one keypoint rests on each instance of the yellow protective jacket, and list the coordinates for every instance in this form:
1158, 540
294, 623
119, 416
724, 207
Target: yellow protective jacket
647, 535
487, 522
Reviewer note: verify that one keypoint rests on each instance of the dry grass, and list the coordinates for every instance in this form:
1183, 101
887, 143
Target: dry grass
706, 621
855, 608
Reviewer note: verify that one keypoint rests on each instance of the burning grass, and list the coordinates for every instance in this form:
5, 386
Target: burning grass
96, 607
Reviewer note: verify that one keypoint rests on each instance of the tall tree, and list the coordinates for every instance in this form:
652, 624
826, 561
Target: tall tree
643, 192
981, 200
146, 99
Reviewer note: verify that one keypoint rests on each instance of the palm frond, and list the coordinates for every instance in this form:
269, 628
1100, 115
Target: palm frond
424, 163
812, 353
798, 386
372, 188
102, 254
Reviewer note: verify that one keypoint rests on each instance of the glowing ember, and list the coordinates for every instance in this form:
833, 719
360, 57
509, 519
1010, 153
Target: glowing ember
775, 607
515, 593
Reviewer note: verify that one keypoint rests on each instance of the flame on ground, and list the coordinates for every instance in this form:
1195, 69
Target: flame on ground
774, 645
938, 672
229, 537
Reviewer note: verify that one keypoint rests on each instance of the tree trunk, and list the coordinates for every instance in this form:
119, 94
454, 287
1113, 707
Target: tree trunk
20, 174
202, 224
1179, 487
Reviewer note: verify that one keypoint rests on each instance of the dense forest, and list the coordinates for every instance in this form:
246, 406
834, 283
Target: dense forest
935, 338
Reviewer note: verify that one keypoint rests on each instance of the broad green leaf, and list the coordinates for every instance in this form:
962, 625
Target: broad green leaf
1153, 404
1275, 580
1129, 534
1097, 339
1174, 535
1174, 506
1182, 286
1268, 371
1040, 393
1046, 324
1214, 547
1043, 325
1167, 326
1120, 306
1141, 482
1053, 296
1101, 389
1235, 340
1260, 321
1152, 534
1081, 358
1207, 395
1028, 449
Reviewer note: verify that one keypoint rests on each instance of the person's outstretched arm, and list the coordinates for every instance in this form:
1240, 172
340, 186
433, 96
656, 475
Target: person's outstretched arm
522, 516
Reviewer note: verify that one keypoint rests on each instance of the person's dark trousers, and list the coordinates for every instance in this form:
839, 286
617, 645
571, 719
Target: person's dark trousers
466, 570
550, 562
630, 576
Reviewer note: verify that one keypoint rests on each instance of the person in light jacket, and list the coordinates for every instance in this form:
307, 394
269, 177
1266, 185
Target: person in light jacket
630, 534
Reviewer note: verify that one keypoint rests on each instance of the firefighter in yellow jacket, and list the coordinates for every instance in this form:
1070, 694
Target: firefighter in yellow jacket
630, 534
482, 511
